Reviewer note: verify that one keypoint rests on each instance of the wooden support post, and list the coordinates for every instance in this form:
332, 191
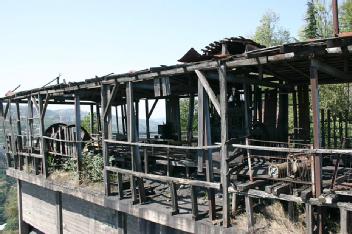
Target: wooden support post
136, 103
174, 199
147, 128
98, 118
78, 135
190, 119
322, 124
340, 130
29, 129
335, 14
224, 138
249, 211
105, 135
200, 153
58, 203
91, 119
329, 128
120, 186
23, 227
234, 205
117, 120
316, 129
43, 150
19, 137
246, 108
295, 120
316, 140
309, 219
334, 131
132, 137
194, 200
292, 211
345, 221
209, 157
146, 166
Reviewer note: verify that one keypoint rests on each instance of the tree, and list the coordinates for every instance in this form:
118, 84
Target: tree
268, 33
318, 21
311, 29
346, 16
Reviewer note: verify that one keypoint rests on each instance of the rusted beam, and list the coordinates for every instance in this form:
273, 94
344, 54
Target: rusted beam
335, 17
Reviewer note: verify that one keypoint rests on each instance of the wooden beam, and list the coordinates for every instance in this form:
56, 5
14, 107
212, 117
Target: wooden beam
91, 119
78, 134
316, 128
111, 98
23, 227
35, 104
43, 150
153, 107
330, 70
147, 128
45, 105
105, 136
200, 153
209, 90
250, 214
224, 138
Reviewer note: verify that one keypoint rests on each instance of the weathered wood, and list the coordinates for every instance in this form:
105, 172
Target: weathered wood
78, 134
132, 137
250, 215
23, 227
194, 200
295, 120
234, 205
58, 204
209, 159
322, 124
190, 119
344, 221
329, 128
309, 219
91, 119
166, 179
173, 188
120, 185
43, 150
147, 128
224, 138
330, 70
316, 129
200, 153
205, 84
105, 135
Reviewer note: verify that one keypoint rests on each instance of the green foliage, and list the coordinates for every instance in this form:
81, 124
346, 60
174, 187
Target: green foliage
318, 21
11, 212
92, 167
70, 164
335, 97
184, 111
311, 28
346, 16
268, 33
85, 123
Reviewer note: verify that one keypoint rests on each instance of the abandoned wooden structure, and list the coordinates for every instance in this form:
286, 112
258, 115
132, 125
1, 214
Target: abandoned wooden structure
244, 95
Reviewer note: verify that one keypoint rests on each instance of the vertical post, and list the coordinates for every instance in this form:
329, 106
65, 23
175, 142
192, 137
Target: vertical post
200, 126
137, 117
190, 119
117, 120
322, 114
98, 118
316, 140
316, 128
58, 201
132, 137
224, 138
22, 226
249, 211
344, 221
335, 16
78, 134
209, 157
105, 136
295, 121
42, 133
18, 136
329, 128
309, 219
147, 129
91, 120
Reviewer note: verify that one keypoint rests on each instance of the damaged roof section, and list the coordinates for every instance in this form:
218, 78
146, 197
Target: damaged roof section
228, 46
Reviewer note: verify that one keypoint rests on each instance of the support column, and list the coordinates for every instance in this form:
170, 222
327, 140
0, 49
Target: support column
58, 201
147, 129
201, 95
91, 120
43, 150
132, 137
78, 134
224, 138
344, 221
22, 226
105, 136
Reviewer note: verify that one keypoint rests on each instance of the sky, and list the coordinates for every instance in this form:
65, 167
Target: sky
40, 39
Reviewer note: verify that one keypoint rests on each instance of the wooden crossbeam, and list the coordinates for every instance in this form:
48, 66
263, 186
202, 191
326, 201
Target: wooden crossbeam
153, 107
203, 80
112, 97
35, 104
42, 114
330, 70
